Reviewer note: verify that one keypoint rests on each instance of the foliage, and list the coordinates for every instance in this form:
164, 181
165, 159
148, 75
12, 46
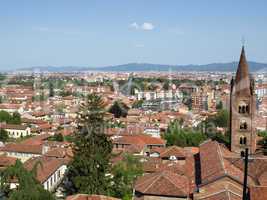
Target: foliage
263, 144
176, 135
119, 109
28, 187
16, 118
64, 93
51, 89
57, 137
221, 119
10, 119
3, 135
262, 133
90, 166
219, 106
124, 174
137, 104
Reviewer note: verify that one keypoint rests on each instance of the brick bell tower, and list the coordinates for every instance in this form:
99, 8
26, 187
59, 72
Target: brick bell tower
242, 109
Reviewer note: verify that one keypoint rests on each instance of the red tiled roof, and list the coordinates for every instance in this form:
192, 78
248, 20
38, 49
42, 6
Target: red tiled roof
47, 167
36, 140
163, 183
258, 193
6, 161
139, 140
23, 148
214, 165
173, 151
222, 195
13, 126
89, 197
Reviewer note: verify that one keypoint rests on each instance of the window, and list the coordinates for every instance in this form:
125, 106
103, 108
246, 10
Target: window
243, 108
243, 125
243, 140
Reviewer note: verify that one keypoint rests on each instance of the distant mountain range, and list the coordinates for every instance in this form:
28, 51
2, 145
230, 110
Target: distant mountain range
138, 67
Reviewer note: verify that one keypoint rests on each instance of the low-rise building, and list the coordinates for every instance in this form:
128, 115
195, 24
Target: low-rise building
15, 130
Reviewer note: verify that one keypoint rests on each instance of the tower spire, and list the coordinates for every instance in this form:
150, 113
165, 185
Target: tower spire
242, 80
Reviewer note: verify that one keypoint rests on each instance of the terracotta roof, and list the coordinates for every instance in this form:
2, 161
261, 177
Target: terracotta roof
23, 148
36, 140
173, 151
6, 161
13, 126
89, 197
214, 165
48, 166
258, 193
221, 195
257, 168
139, 140
163, 183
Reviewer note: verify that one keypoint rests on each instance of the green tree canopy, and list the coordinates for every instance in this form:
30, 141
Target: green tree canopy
57, 137
90, 166
51, 89
178, 136
15, 118
119, 109
3, 135
28, 187
124, 174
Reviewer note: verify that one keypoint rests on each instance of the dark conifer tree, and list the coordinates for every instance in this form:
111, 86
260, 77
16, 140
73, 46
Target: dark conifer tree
90, 166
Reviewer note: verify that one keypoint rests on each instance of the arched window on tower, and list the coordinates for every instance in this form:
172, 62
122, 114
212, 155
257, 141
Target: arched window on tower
242, 140
243, 108
243, 125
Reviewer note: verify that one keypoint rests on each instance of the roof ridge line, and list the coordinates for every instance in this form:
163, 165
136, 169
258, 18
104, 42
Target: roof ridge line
221, 158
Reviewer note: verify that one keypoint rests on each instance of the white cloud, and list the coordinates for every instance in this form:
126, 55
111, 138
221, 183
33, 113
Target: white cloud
146, 26
134, 25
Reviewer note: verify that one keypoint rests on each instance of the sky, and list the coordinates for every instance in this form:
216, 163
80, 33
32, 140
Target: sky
99, 33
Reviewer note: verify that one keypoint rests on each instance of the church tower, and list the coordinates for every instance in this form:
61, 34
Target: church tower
242, 109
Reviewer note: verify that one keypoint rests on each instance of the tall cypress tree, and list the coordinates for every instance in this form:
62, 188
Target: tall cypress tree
90, 166
51, 89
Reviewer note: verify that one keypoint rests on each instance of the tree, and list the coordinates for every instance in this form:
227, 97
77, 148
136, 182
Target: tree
90, 166
219, 106
3, 135
57, 137
16, 118
124, 174
138, 103
222, 118
176, 135
28, 187
5, 116
166, 85
263, 144
119, 109
51, 89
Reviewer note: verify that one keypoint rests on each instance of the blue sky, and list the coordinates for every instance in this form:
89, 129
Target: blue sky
110, 32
